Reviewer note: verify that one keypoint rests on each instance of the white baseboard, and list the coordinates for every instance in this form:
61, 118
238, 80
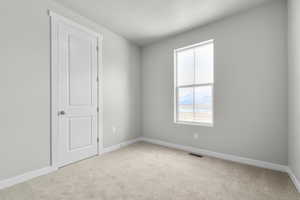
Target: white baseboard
294, 178
248, 161
121, 145
25, 177
30, 175
256, 163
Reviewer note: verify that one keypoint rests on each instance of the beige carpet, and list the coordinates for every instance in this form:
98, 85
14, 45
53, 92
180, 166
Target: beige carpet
145, 171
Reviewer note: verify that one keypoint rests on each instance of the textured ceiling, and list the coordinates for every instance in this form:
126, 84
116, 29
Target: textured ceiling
145, 21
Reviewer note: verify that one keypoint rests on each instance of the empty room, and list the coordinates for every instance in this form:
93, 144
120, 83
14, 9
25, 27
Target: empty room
150, 99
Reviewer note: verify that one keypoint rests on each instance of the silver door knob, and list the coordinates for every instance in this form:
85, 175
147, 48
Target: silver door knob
62, 112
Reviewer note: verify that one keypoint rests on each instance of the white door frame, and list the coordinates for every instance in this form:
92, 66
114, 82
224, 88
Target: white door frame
54, 19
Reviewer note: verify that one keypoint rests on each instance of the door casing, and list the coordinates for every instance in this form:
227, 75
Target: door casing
54, 19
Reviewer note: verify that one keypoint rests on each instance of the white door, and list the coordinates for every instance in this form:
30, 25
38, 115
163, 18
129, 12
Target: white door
77, 96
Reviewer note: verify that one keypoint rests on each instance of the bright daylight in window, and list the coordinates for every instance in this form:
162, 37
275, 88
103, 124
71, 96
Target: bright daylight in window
194, 82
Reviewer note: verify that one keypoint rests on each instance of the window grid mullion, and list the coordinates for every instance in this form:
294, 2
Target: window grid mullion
194, 113
196, 85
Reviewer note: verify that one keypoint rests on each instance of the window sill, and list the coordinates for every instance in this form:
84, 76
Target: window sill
205, 124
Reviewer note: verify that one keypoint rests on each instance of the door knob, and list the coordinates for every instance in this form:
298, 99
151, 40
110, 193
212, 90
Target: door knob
62, 112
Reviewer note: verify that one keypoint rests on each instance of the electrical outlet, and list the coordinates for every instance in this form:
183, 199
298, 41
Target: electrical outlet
196, 136
114, 129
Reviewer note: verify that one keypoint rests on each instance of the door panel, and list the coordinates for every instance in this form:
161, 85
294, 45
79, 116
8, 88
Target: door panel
80, 132
80, 71
77, 94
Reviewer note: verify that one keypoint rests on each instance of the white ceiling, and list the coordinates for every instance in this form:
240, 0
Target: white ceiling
144, 21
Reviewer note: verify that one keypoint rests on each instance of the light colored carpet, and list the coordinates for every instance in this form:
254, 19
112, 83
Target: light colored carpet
144, 171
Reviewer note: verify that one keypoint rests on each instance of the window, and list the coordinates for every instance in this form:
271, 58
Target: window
194, 82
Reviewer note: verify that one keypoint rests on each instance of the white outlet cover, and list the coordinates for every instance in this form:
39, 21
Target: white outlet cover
114, 129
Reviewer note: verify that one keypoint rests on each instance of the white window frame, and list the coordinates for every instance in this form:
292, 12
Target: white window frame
176, 121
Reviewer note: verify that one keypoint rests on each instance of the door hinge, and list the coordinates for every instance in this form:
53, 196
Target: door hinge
97, 109
97, 48
97, 139
97, 79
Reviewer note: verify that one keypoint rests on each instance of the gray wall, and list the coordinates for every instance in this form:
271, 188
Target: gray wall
250, 86
294, 86
25, 85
